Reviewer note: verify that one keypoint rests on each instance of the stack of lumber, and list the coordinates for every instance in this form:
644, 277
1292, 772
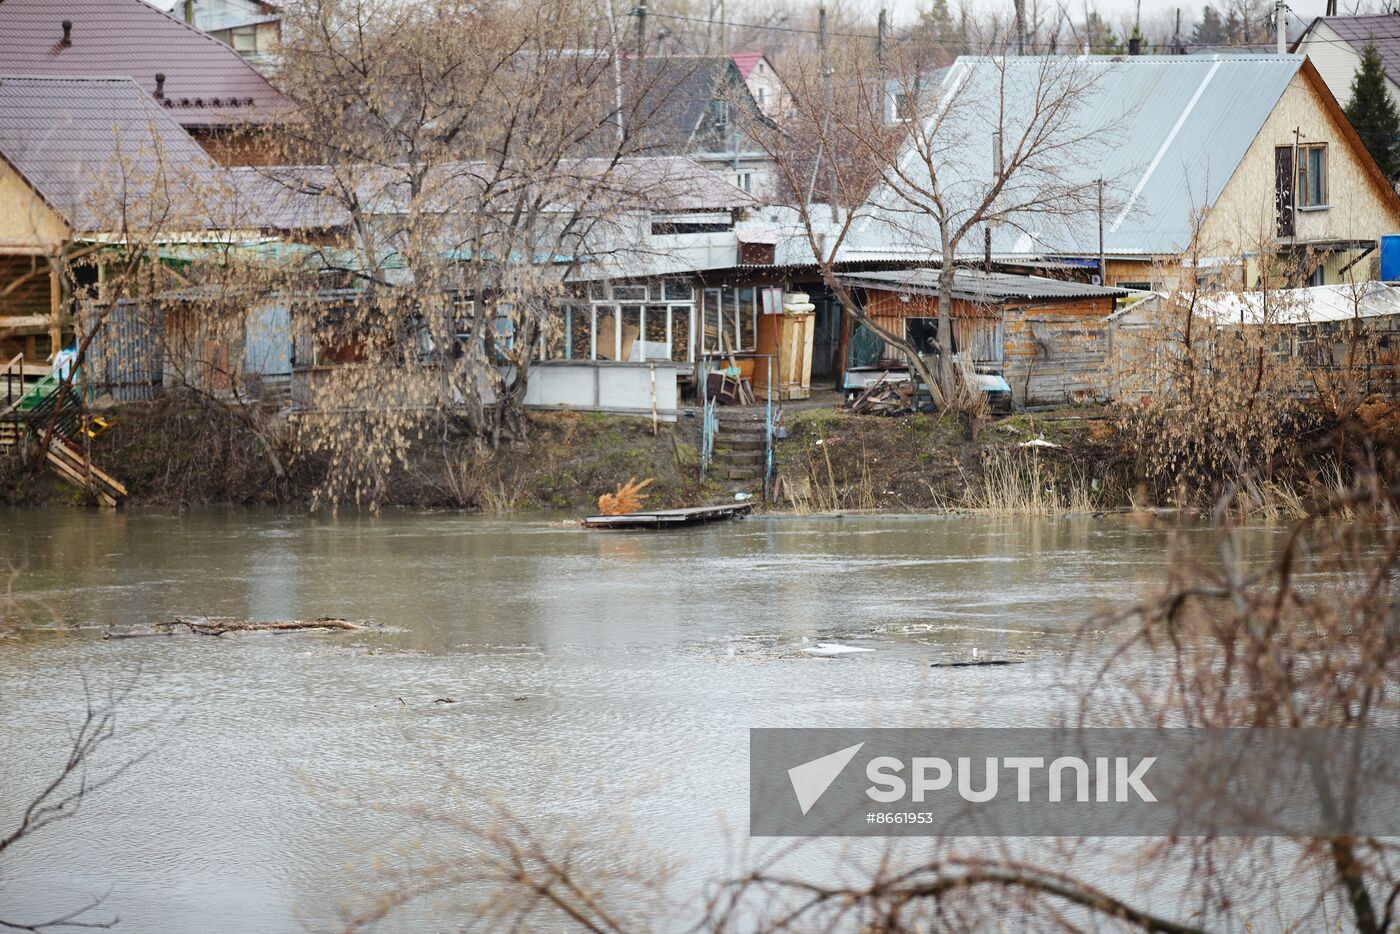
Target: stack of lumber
884, 398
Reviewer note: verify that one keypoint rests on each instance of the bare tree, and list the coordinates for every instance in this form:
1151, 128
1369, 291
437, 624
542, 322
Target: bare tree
60, 798
912, 183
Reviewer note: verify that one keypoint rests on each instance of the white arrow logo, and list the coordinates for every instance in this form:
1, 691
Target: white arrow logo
810, 780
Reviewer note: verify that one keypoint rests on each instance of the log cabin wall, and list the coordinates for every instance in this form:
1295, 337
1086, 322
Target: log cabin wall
1058, 353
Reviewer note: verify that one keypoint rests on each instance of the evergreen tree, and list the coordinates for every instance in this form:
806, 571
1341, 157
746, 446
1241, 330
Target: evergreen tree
1210, 30
1373, 113
937, 20
1231, 31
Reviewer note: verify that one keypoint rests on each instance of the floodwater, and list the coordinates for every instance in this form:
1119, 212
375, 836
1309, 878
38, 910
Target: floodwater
599, 682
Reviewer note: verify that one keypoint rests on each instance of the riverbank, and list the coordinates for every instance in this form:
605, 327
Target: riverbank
179, 452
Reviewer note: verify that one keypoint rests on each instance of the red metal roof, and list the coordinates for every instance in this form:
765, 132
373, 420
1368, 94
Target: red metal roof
206, 82
746, 60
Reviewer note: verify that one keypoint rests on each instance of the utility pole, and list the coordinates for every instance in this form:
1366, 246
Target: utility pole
880, 41
1020, 27
1281, 26
1176, 34
826, 119
641, 33
882, 91
1103, 270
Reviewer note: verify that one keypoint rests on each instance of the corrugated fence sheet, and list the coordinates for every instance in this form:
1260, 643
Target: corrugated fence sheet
124, 361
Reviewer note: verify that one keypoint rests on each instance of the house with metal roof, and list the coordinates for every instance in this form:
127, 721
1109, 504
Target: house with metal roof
1044, 339
252, 28
204, 85
1334, 45
700, 106
764, 83
1227, 167
1338, 337
79, 158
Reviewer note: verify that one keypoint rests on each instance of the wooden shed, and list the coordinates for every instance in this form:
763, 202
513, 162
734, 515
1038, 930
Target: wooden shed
1046, 337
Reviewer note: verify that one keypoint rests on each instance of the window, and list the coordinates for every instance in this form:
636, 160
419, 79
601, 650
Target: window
1312, 176
244, 38
719, 109
729, 320
744, 180
903, 106
760, 96
923, 334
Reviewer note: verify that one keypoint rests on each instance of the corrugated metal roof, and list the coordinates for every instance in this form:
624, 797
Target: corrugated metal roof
1381, 30
1166, 131
293, 194
85, 143
206, 82
982, 287
1314, 305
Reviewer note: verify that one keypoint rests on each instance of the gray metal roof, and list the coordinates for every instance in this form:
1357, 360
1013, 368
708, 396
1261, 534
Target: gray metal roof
1381, 30
982, 287
86, 144
1167, 132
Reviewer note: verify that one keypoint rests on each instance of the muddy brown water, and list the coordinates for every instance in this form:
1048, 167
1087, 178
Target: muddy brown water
600, 681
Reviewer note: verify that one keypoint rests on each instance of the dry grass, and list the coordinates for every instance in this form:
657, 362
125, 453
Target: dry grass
1019, 483
816, 489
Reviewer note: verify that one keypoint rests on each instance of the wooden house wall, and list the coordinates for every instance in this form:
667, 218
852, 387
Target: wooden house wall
1058, 353
1049, 352
975, 327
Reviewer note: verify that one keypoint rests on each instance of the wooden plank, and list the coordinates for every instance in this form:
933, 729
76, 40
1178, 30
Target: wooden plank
83, 463
669, 517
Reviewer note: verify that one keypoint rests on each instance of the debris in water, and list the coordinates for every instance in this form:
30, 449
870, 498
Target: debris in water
832, 648
218, 626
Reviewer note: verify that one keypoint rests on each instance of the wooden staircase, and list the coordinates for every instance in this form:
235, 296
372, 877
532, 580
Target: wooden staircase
740, 450
75, 467
26, 414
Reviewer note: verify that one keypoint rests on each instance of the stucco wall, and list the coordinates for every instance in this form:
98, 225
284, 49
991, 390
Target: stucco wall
1242, 218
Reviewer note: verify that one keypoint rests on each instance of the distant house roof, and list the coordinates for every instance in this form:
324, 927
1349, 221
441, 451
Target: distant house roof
679, 92
77, 140
745, 62
981, 287
1381, 30
206, 82
1168, 131
292, 196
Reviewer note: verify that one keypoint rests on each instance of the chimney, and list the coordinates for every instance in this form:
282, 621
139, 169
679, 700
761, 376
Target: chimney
1135, 45
67, 32
189, 12
160, 85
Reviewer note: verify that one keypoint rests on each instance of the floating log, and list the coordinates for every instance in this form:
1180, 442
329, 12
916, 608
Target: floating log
214, 626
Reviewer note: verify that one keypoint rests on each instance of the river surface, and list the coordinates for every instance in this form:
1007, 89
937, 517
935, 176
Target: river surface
599, 682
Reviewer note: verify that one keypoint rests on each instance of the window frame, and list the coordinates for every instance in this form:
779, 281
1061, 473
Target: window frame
1306, 177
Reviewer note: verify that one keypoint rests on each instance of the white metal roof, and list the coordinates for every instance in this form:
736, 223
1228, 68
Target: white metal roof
1314, 305
1166, 132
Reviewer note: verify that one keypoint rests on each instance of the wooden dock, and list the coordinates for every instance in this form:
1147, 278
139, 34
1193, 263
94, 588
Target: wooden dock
669, 518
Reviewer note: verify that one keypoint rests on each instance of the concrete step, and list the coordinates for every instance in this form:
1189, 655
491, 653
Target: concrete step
751, 473
739, 444
740, 457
